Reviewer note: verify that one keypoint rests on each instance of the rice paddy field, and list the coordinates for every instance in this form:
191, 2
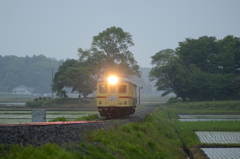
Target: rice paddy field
216, 137
222, 153
25, 116
209, 117
213, 127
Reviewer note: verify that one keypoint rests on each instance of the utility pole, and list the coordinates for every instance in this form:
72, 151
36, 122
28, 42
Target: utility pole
52, 83
139, 95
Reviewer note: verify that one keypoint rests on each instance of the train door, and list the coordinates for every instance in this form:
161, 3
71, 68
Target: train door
123, 94
102, 94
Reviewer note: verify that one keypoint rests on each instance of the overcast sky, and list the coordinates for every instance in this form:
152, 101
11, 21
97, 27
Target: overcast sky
57, 28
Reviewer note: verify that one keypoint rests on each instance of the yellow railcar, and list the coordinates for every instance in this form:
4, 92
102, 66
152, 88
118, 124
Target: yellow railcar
116, 97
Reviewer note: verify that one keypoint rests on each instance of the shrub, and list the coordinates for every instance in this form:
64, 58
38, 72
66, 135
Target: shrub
87, 118
172, 100
58, 119
187, 99
179, 99
34, 103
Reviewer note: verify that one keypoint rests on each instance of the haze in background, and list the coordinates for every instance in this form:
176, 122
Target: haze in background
58, 28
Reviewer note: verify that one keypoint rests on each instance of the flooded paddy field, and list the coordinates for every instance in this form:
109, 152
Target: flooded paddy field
209, 117
219, 142
222, 153
218, 137
25, 116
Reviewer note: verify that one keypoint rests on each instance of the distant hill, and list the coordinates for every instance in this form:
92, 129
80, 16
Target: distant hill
34, 72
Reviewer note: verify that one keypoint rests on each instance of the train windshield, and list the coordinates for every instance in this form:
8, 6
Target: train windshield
102, 88
122, 89
112, 89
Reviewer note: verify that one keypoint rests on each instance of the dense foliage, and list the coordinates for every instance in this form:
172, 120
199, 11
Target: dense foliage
75, 75
199, 69
35, 72
110, 54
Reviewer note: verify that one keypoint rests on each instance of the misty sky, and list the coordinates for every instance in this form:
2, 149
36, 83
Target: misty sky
57, 28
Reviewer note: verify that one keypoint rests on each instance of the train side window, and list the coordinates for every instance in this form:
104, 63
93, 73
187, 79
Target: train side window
112, 89
102, 88
122, 89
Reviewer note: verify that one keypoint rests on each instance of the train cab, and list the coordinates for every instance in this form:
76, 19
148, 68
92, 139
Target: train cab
116, 97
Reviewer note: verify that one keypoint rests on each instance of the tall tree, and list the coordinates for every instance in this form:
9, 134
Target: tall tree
75, 75
202, 69
200, 52
169, 72
109, 53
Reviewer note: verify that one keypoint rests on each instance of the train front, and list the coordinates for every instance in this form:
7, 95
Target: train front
116, 97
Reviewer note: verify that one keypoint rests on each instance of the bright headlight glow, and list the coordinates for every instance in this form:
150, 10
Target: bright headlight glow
112, 80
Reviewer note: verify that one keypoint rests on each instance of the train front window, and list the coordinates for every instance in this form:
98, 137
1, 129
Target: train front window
112, 89
102, 88
122, 89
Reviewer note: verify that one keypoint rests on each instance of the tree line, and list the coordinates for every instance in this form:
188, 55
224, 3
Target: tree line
199, 69
34, 72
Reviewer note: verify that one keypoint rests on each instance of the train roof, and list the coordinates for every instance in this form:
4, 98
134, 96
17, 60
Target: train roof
119, 80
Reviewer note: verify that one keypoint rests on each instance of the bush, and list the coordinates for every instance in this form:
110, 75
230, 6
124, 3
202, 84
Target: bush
87, 118
172, 100
187, 99
179, 99
58, 119
34, 104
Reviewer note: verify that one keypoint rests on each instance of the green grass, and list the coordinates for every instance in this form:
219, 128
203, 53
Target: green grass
217, 107
48, 151
18, 98
159, 135
58, 119
84, 118
152, 138
88, 118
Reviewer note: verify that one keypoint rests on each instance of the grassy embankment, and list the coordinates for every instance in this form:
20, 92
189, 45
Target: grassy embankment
159, 135
154, 137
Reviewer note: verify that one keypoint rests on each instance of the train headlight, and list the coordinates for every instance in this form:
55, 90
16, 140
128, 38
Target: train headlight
112, 80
